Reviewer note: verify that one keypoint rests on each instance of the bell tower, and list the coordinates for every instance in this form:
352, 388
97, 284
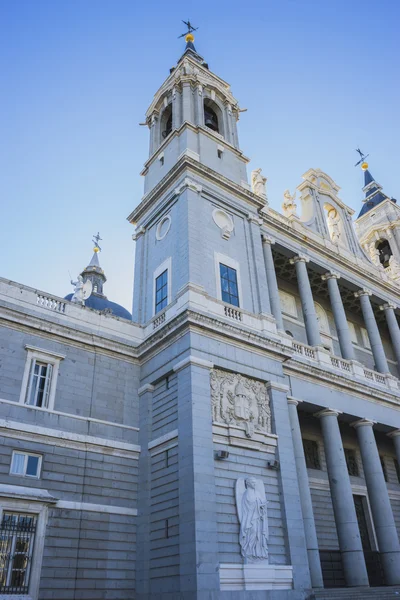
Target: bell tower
198, 224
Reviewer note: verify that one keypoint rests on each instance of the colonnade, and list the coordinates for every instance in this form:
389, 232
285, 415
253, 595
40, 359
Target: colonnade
354, 566
339, 315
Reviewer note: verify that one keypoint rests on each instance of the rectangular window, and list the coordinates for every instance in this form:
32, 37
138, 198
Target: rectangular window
352, 331
396, 466
351, 461
385, 475
229, 286
25, 464
161, 299
38, 390
311, 454
17, 536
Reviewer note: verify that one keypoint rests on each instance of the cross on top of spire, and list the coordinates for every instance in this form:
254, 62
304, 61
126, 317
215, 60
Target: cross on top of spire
96, 240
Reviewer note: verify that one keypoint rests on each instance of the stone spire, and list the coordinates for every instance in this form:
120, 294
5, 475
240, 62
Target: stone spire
93, 271
373, 192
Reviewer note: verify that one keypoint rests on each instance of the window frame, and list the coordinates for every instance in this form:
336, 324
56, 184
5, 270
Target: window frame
26, 454
40, 511
42, 356
317, 453
164, 266
232, 264
231, 278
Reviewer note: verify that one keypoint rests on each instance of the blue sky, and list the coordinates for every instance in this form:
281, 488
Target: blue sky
318, 79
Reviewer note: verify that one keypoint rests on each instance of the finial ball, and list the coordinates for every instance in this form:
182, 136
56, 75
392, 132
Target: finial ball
189, 37
364, 166
96, 249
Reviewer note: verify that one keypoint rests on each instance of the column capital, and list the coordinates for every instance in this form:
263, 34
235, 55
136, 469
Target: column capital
362, 423
328, 412
192, 360
394, 433
267, 239
387, 305
254, 219
299, 258
138, 232
293, 400
362, 292
330, 275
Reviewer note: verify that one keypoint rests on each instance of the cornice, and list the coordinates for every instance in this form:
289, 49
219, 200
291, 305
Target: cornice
197, 168
65, 334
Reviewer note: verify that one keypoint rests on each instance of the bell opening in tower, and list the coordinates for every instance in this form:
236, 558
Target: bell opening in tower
385, 252
210, 117
166, 122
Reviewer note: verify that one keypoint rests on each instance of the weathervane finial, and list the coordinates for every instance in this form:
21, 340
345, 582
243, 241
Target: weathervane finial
362, 161
188, 35
96, 240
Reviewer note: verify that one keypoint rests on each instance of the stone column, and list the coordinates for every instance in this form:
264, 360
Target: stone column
144, 506
307, 302
198, 540
154, 143
385, 527
261, 285
305, 497
393, 327
342, 327
290, 496
272, 283
138, 308
343, 503
176, 112
373, 331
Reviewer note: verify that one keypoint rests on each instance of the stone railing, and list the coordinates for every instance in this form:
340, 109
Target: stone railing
351, 368
50, 303
304, 350
373, 376
339, 363
233, 313
159, 320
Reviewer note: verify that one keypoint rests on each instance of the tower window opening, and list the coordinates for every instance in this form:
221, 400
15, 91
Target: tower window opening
210, 118
166, 122
385, 252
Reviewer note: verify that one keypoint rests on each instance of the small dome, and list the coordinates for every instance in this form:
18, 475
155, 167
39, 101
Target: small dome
101, 303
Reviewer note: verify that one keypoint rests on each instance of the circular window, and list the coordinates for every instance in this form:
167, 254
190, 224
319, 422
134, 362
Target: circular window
222, 219
163, 227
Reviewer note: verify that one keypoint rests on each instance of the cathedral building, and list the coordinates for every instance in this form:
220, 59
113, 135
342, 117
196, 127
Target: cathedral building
238, 436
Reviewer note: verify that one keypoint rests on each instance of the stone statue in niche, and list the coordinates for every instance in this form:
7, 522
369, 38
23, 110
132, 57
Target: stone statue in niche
251, 507
374, 254
240, 401
258, 183
333, 225
289, 205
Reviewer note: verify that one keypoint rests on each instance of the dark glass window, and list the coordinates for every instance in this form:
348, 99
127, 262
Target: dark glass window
396, 466
311, 454
384, 468
162, 291
351, 461
229, 288
17, 535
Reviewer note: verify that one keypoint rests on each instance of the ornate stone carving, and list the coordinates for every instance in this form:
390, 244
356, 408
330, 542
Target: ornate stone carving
239, 401
258, 183
251, 505
224, 222
334, 225
289, 205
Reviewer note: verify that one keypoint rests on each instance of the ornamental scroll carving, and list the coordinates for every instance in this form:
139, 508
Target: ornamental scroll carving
240, 401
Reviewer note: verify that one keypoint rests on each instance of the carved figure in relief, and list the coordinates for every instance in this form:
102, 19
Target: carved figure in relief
374, 254
258, 183
394, 267
251, 507
240, 401
333, 225
289, 205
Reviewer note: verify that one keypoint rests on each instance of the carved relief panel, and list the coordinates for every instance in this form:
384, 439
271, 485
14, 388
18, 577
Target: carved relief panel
240, 402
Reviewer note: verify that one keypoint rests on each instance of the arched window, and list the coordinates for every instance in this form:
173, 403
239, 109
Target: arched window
210, 115
166, 122
385, 252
